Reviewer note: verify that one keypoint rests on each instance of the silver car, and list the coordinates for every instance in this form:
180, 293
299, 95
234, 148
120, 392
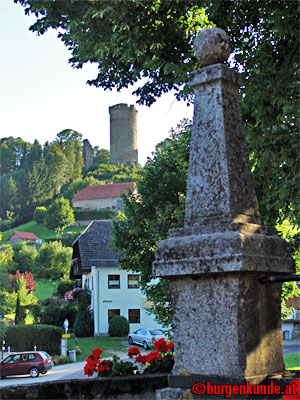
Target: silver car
145, 337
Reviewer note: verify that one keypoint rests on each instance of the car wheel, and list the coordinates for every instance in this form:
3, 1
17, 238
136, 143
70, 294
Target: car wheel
145, 344
3, 377
43, 373
34, 372
130, 341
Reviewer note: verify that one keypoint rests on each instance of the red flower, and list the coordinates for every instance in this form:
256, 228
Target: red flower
140, 359
89, 367
133, 351
97, 352
153, 357
103, 366
161, 345
171, 345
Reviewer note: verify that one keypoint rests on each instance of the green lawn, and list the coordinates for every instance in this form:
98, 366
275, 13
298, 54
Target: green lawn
292, 361
40, 230
86, 345
45, 288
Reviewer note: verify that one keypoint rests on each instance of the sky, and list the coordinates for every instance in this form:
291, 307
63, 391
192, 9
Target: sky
41, 94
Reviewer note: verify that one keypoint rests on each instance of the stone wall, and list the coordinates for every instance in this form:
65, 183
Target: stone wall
121, 388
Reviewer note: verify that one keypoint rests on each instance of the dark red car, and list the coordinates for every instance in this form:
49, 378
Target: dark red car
26, 362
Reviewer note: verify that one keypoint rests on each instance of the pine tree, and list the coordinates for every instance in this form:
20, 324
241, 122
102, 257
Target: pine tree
20, 313
83, 325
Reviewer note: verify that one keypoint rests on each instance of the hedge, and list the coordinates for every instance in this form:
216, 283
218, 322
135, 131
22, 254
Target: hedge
25, 337
89, 215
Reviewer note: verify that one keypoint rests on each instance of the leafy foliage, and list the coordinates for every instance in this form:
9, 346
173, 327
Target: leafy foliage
24, 337
158, 207
53, 261
20, 313
83, 325
118, 326
23, 258
128, 41
55, 315
39, 214
59, 215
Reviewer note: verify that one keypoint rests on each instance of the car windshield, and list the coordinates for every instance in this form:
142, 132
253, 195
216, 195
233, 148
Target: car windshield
156, 332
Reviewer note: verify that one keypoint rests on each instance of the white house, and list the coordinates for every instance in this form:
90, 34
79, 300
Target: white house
114, 291
102, 196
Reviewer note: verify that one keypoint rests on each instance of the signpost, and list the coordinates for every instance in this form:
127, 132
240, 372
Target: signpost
65, 336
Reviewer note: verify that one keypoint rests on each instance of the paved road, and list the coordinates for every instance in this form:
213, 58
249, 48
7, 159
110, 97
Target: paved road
60, 372
291, 347
75, 370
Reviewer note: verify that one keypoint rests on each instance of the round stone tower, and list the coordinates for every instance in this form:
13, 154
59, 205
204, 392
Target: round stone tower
123, 134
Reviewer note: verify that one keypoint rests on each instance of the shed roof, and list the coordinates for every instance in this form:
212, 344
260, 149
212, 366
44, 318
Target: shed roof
110, 190
24, 235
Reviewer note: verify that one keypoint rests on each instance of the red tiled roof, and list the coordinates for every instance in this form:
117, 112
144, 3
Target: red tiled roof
104, 191
24, 235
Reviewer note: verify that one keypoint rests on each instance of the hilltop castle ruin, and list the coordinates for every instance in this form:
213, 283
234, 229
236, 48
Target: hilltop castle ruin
123, 137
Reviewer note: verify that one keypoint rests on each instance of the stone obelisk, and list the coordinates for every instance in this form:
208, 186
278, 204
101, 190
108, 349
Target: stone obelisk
227, 323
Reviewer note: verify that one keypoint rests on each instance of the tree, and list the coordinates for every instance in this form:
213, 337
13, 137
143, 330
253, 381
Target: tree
59, 215
128, 41
83, 325
39, 214
53, 261
19, 313
158, 207
23, 258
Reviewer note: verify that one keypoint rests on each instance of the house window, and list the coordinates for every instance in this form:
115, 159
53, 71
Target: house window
113, 281
133, 281
112, 313
134, 316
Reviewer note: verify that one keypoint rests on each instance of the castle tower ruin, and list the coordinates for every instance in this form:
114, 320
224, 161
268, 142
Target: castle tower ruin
88, 154
123, 134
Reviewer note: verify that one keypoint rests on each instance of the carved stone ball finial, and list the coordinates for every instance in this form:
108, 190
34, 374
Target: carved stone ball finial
211, 46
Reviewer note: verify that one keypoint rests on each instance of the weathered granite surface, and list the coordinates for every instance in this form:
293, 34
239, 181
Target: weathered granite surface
118, 388
226, 323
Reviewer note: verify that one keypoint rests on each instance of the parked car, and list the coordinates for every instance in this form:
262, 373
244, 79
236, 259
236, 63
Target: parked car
145, 337
26, 362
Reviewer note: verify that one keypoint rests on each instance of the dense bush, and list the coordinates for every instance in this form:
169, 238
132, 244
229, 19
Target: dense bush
25, 337
23, 258
65, 286
36, 312
39, 214
52, 261
83, 325
118, 326
55, 315
89, 215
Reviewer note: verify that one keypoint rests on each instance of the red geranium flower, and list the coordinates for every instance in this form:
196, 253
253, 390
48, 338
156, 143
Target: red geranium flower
153, 357
133, 351
141, 359
171, 346
89, 368
103, 366
161, 345
97, 352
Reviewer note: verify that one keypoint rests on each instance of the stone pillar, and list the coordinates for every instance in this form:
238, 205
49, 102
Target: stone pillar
226, 323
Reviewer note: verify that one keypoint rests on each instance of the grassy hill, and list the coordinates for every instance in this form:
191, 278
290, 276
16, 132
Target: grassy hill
40, 230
